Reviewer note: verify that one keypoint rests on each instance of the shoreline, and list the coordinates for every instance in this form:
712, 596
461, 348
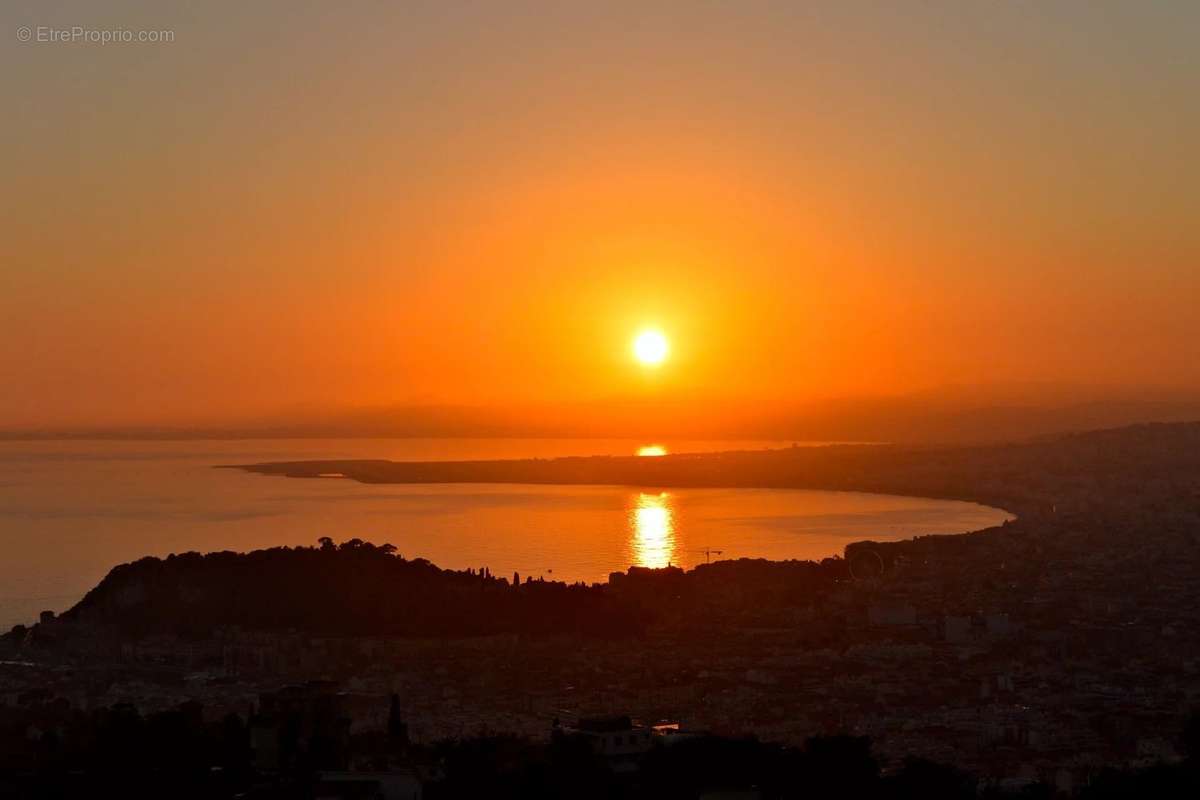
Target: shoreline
864, 468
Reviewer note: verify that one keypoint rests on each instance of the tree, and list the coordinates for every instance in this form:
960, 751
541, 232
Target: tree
395, 725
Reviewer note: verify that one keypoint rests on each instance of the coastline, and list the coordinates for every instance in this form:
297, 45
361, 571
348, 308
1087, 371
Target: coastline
868, 468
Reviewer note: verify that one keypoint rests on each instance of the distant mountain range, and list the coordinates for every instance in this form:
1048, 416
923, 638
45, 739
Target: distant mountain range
951, 417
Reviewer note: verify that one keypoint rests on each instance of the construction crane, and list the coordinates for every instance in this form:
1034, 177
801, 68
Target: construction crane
709, 553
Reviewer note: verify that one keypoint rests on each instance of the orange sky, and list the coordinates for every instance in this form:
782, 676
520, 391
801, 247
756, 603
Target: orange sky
296, 207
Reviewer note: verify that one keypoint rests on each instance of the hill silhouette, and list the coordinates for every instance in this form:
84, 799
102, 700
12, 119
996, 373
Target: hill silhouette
355, 588
360, 589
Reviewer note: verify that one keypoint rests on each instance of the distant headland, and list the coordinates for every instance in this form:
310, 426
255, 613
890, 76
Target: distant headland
1046, 475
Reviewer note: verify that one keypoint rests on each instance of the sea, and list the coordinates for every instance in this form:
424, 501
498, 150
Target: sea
70, 510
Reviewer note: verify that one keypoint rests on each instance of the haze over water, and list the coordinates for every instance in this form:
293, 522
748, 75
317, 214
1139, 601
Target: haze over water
71, 510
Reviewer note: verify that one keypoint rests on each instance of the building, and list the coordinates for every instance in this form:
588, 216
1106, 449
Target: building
615, 737
373, 785
303, 726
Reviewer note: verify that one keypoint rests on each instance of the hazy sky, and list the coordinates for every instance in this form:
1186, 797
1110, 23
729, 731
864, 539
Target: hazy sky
355, 204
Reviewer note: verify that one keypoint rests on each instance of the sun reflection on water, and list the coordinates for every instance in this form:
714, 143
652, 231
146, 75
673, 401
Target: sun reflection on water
652, 450
653, 541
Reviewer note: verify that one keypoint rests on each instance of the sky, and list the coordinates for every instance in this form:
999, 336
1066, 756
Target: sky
299, 206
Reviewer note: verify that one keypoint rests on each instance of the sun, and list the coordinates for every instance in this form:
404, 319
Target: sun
651, 348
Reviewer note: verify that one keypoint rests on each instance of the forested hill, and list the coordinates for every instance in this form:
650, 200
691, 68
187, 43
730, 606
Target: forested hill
355, 588
360, 589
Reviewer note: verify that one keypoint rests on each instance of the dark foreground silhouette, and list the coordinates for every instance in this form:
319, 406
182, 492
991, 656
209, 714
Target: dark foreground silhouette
283, 750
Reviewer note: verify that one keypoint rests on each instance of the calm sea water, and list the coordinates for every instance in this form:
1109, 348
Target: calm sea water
69, 511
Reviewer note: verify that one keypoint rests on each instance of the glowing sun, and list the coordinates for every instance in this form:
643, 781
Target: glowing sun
651, 348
